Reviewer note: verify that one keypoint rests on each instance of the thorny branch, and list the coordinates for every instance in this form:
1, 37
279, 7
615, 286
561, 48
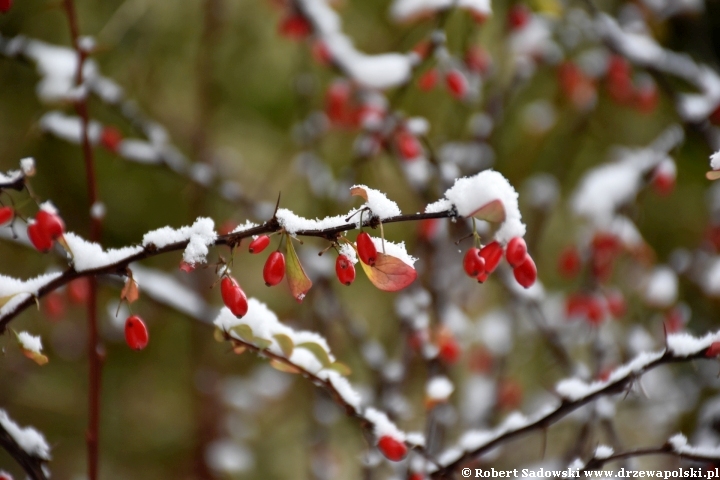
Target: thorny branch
31, 464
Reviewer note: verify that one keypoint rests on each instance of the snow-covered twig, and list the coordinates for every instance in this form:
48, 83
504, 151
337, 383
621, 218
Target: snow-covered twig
26, 445
574, 393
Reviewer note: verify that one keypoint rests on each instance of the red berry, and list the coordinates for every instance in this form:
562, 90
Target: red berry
448, 348
50, 224
227, 227
713, 350
186, 267
526, 272
428, 228
393, 449
456, 83
715, 116
473, 263
38, 238
509, 394
482, 276
5, 5
337, 103
110, 138
428, 80
414, 476
366, 249
492, 253
594, 310
616, 303
320, 53
345, 270
619, 81
663, 183
136, 333
259, 244
295, 27
79, 290
569, 262
480, 361
477, 59
6, 215
515, 251
518, 16
54, 305
646, 98
233, 297
407, 145
274, 269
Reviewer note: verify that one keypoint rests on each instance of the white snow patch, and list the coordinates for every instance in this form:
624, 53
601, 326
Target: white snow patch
661, 289
88, 255
603, 451
439, 388
199, 237
31, 343
29, 439
378, 203
382, 425
394, 249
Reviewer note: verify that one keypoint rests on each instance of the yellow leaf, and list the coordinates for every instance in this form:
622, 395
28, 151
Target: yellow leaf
341, 368
317, 350
297, 279
244, 332
286, 344
283, 367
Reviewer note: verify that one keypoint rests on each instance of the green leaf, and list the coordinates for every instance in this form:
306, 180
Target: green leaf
261, 343
297, 279
317, 350
389, 273
244, 332
283, 367
286, 343
341, 368
219, 335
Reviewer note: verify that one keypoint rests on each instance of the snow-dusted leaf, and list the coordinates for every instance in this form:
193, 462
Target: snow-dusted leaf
492, 212
389, 273
317, 350
244, 332
283, 367
341, 368
130, 291
261, 343
297, 279
285, 342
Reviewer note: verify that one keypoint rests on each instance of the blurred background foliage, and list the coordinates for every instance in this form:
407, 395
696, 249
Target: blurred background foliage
232, 97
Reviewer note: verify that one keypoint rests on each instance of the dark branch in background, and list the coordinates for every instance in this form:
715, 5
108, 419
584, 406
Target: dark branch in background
565, 408
667, 449
32, 465
94, 346
271, 226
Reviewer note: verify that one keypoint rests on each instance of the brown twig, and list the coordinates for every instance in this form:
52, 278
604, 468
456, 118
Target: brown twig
31, 464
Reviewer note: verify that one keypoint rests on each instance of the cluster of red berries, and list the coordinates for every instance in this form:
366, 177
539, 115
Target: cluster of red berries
345, 109
642, 95
594, 308
77, 292
455, 81
45, 229
479, 263
295, 27
136, 333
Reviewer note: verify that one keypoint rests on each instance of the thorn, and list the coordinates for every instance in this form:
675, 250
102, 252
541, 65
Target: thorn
277, 205
465, 238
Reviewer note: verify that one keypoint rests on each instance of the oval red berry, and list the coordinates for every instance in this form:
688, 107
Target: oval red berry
233, 297
345, 270
6, 214
526, 272
274, 269
50, 224
136, 333
392, 448
492, 253
259, 244
37, 237
366, 249
473, 263
515, 251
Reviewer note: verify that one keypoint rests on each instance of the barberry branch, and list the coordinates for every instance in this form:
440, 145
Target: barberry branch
31, 464
568, 405
596, 463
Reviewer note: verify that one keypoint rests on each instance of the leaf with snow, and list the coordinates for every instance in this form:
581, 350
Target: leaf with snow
341, 368
389, 274
297, 278
31, 347
318, 351
286, 343
377, 202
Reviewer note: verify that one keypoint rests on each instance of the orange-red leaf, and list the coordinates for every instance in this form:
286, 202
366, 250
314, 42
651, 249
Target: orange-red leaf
130, 291
360, 192
297, 279
389, 273
713, 175
492, 212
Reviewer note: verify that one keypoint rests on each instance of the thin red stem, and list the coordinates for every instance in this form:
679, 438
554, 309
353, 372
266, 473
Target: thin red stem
93, 346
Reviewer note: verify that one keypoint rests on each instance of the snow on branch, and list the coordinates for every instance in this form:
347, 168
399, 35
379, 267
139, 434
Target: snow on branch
26, 445
15, 179
676, 446
308, 354
573, 394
